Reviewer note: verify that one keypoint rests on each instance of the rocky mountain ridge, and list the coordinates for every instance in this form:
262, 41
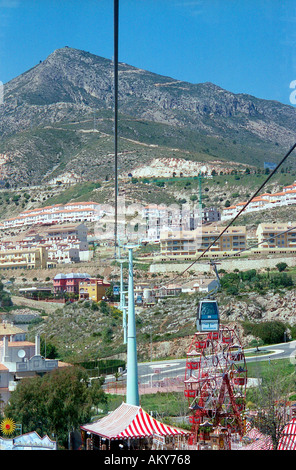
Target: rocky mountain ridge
58, 117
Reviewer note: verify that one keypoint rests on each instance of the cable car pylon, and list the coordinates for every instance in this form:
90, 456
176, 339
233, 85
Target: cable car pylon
132, 386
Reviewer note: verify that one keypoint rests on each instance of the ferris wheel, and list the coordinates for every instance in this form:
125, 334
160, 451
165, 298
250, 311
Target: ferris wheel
215, 381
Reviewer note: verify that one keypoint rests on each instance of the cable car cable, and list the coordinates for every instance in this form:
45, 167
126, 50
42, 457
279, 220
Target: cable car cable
116, 8
239, 213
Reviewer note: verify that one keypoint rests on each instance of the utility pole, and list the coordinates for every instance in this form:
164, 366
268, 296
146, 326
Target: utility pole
122, 306
200, 194
132, 386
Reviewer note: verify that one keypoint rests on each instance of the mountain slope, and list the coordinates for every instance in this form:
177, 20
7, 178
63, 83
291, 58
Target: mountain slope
58, 115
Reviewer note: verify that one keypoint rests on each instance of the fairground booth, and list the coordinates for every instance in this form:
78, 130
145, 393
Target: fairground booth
130, 427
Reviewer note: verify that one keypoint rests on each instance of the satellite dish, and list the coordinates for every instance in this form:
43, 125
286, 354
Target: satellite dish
21, 353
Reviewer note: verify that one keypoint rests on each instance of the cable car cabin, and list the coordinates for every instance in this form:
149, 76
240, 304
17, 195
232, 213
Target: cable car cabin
207, 316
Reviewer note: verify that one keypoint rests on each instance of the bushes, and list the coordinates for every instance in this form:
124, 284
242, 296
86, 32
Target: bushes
269, 332
5, 300
233, 283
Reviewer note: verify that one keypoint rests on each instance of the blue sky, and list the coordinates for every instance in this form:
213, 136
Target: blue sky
244, 46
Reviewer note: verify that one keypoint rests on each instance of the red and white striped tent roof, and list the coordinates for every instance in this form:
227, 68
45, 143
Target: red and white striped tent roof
288, 438
130, 421
259, 441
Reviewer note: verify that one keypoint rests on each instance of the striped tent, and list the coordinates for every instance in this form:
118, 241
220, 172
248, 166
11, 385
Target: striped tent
264, 443
288, 438
259, 441
130, 421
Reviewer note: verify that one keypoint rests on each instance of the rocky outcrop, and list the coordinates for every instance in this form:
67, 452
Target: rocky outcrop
171, 167
175, 316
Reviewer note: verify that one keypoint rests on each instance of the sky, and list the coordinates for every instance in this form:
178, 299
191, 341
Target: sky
244, 46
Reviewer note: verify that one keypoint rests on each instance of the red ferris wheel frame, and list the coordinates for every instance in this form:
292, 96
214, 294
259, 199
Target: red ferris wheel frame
215, 381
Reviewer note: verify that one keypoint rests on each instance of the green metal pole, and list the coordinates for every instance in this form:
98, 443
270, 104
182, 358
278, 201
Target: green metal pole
132, 387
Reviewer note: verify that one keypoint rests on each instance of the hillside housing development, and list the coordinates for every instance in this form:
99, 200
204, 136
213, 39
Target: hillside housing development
56, 214
269, 238
45, 247
264, 201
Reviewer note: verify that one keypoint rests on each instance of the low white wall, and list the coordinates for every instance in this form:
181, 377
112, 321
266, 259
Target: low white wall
228, 265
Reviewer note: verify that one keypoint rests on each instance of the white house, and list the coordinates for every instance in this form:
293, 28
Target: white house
19, 360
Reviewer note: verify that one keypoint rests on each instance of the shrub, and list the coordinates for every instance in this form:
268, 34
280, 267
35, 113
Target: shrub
281, 266
269, 332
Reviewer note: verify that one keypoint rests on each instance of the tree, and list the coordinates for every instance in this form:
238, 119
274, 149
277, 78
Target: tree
57, 403
271, 332
271, 397
281, 266
48, 349
5, 300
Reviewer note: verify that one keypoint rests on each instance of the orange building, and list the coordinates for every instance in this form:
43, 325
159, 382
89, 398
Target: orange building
93, 289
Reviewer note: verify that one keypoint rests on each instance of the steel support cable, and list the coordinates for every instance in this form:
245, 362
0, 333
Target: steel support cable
236, 217
116, 9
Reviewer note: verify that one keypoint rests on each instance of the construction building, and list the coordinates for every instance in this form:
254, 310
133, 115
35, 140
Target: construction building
179, 243
272, 236
31, 258
233, 239
159, 219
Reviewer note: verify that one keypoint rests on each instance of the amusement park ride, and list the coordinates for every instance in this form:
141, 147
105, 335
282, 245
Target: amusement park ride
215, 379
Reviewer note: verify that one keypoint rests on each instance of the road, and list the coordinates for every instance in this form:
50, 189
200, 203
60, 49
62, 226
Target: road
159, 370
173, 371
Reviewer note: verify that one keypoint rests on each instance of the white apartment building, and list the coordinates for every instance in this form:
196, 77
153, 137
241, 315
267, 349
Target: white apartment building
56, 214
264, 201
63, 255
161, 219
60, 243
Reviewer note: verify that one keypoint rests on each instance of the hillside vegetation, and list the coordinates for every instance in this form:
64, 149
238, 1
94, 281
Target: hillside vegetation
259, 305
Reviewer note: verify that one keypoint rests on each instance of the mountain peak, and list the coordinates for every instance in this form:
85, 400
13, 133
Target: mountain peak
71, 86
